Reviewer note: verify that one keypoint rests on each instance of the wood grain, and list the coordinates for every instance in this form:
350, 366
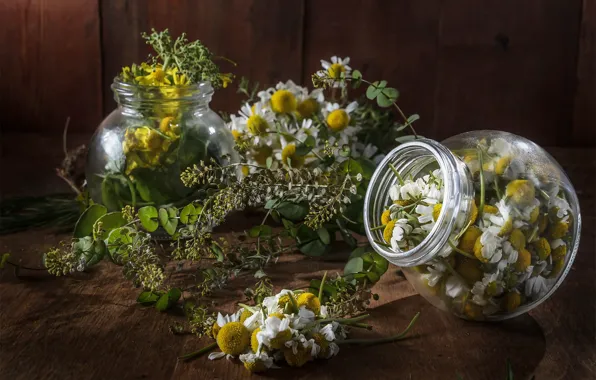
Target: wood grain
506, 68
50, 67
263, 37
584, 127
88, 326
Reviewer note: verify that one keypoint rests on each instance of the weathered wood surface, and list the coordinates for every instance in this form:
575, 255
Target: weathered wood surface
89, 326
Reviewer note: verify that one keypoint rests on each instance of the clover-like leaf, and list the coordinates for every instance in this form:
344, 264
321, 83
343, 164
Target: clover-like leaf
313, 248
148, 298
292, 211
324, 235
189, 214
354, 265
111, 221
168, 219
259, 231
148, 217
166, 301
118, 243
84, 226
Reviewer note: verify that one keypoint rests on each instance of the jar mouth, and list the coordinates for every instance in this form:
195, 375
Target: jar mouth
415, 159
125, 92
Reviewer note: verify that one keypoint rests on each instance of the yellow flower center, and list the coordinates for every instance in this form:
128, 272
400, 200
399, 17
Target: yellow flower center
437, 211
517, 239
469, 238
257, 125
502, 165
388, 231
308, 107
385, 217
254, 342
283, 101
236, 134
289, 152
335, 70
261, 154
280, 339
310, 302
469, 270
512, 301
521, 191
473, 213
245, 314
560, 252
542, 248
557, 268
473, 311
233, 338
558, 230
338, 120
524, 258
256, 366
298, 359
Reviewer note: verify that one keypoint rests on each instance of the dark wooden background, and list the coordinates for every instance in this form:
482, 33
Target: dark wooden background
523, 66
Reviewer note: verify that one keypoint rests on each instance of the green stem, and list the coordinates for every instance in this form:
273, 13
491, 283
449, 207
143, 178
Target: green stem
383, 244
394, 338
378, 227
482, 189
131, 188
198, 353
345, 321
322, 286
460, 251
399, 178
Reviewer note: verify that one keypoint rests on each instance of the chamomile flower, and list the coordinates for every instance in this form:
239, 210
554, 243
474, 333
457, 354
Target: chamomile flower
309, 104
274, 332
436, 271
401, 229
488, 247
256, 362
338, 118
536, 287
277, 303
255, 121
303, 318
335, 69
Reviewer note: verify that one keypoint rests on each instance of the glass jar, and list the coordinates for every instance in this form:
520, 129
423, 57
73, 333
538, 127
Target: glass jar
496, 218
138, 152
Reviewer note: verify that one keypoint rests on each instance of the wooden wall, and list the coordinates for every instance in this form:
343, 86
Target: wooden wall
523, 66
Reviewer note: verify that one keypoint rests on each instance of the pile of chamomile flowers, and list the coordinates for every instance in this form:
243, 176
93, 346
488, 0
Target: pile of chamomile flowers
507, 251
289, 326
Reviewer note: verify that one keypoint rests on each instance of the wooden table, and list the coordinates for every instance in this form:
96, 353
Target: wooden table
89, 326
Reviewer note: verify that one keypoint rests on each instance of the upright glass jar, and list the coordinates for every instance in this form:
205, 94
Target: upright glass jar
499, 220
139, 151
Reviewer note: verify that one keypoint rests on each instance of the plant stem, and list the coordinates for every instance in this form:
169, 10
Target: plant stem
198, 353
399, 178
460, 251
322, 286
482, 189
389, 339
378, 227
345, 321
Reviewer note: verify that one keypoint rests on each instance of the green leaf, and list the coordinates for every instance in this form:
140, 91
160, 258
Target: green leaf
328, 290
373, 277
269, 162
260, 231
148, 216
147, 298
368, 167
98, 252
404, 139
166, 301
189, 214
324, 235
352, 167
345, 151
375, 89
287, 224
168, 219
119, 241
292, 211
354, 265
4, 259
111, 221
413, 118
306, 234
270, 204
260, 273
313, 248
217, 252
383, 100
356, 74
84, 226
391, 93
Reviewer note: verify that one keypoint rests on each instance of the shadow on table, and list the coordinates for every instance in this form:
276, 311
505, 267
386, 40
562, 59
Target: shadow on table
440, 347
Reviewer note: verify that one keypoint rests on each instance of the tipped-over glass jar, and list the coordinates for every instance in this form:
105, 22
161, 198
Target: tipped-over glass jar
139, 151
485, 224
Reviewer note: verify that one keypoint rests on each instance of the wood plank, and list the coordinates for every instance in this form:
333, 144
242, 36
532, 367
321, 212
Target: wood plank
391, 40
584, 126
51, 65
508, 65
263, 37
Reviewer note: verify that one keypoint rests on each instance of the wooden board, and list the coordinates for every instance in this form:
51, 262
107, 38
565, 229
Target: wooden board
88, 326
50, 67
263, 37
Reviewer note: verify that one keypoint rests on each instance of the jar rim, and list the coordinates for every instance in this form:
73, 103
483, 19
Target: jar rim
125, 91
383, 178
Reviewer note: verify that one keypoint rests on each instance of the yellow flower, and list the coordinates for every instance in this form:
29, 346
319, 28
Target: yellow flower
236, 134
558, 230
310, 302
233, 338
542, 248
506, 228
469, 239
557, 268
512, 301
157, 77
385, 217
517, 239
277, 313
473, 311
298, 359
437, 211
289, 151
257, 365
215, 330
542, 223
560, 252
307, 107
169, 128
469, 270
257, 125
338, 120
254, 342
261, 154
226, 79
524, 258
502, 165
403, 202
245, 170
322, 342
388, 231
520, 191
335, 70
488, 209
534, 215
245, 314
280, 339
473, 213
283, 101
284, 300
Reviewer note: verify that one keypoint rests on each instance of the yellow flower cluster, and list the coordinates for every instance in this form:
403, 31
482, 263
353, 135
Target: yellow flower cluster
145, 147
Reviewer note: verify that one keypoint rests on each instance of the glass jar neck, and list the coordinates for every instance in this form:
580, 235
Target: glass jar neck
135, 97
412, 160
